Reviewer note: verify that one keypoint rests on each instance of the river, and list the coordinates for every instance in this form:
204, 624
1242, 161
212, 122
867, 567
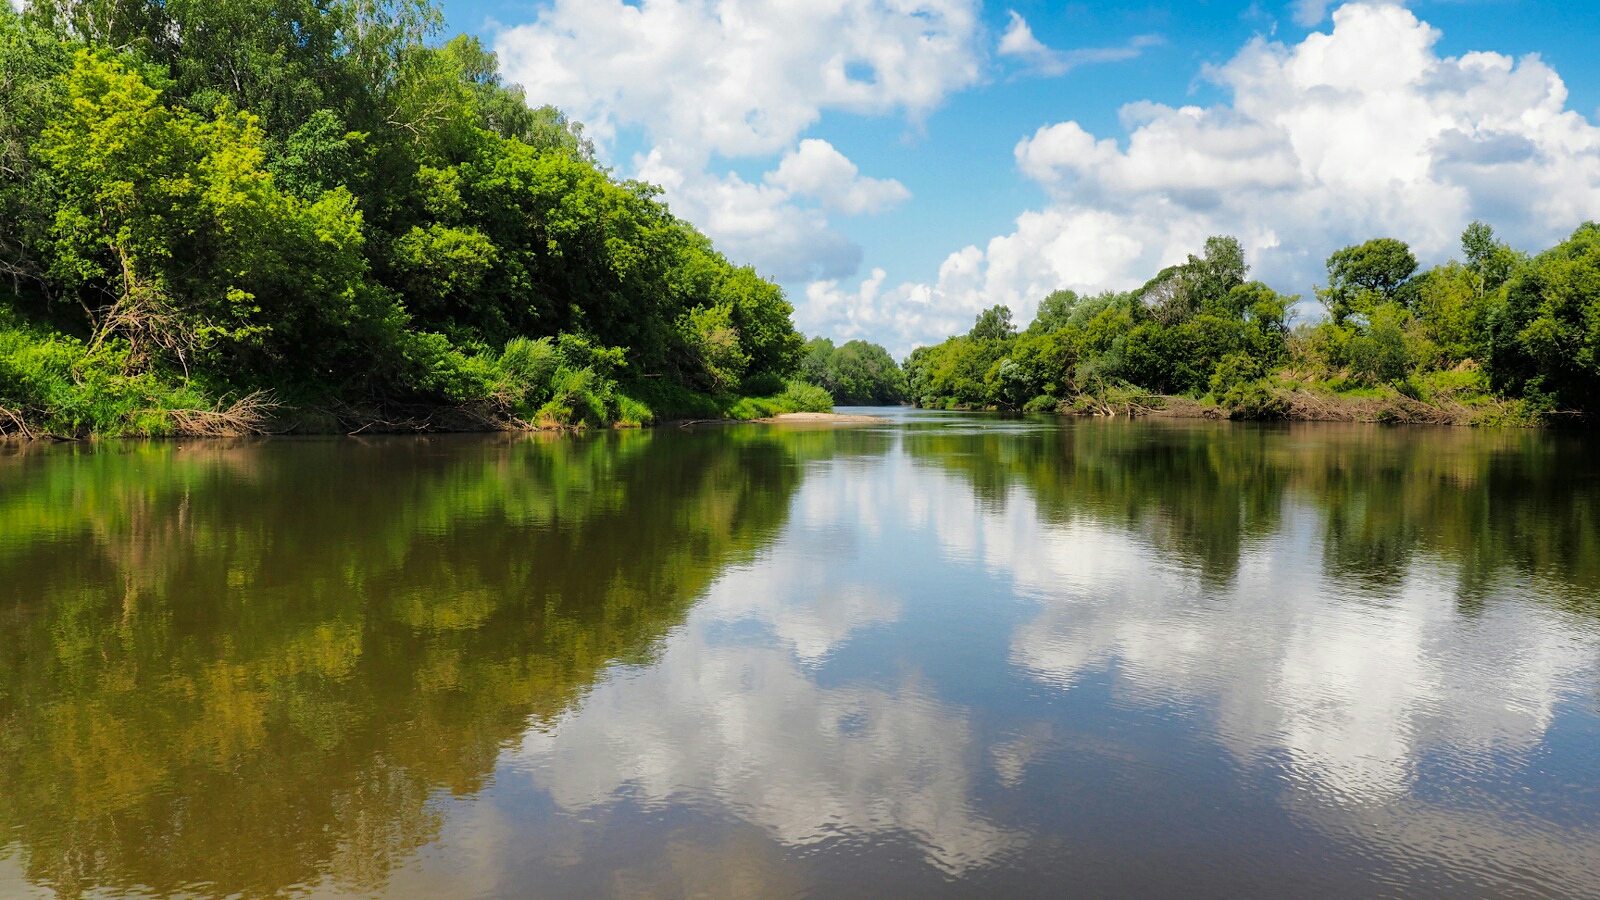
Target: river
949, 655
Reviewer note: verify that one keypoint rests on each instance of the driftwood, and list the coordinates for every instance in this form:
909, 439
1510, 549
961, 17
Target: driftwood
247, 415
18, 424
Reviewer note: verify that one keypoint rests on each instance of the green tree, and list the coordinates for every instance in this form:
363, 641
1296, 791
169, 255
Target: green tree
1055, 311
1364, 275
993, 324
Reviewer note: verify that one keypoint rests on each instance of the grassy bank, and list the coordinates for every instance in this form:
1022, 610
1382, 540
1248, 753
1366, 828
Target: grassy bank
54, 385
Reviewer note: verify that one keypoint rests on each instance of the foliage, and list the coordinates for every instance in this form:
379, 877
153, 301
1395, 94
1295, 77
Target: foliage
858, 373
322, 198
51, 384
797, 396
1109, 351
1498, 339
1362, 276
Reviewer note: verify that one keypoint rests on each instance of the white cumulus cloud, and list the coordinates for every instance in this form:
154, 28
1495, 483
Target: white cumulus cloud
740, 78
816, 169
1358, 132
1309, 12
709, 79
754, 223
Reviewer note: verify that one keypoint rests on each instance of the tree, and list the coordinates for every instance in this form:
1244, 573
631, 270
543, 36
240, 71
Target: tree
1364, 275
1055, 311
1490, 261
855, 373
993, 324
1203, 282
1545, 335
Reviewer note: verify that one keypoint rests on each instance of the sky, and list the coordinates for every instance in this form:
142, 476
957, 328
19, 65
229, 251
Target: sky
900, 165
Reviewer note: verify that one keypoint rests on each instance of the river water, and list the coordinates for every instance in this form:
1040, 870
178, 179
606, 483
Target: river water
950, 655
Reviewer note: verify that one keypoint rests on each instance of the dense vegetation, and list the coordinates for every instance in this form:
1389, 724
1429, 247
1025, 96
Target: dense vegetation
1499, 338
214, 208
858, 373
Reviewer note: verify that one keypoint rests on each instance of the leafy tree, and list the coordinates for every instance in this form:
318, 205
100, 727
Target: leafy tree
856, 373
1055, 311
322, 198
1362, 276
993, 324
1545, 335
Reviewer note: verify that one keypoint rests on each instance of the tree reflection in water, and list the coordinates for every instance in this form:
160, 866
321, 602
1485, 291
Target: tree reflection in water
251, 668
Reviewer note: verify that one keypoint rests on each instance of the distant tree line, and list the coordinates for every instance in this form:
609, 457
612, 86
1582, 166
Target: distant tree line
319, 203
857, 373
1499, 337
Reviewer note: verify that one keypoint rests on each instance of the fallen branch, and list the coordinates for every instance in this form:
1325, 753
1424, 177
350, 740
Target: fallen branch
247, 415
17, 420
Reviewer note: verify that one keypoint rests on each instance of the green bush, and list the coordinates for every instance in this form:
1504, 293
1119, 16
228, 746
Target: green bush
1042, 403
54, 384
799, 396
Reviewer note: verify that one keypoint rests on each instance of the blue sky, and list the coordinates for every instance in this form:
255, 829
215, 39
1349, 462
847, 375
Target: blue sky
900, 164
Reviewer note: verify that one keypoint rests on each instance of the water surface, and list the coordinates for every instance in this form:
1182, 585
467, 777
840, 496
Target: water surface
952, 655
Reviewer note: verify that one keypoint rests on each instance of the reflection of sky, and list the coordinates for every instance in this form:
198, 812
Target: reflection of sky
911, 666
744, 720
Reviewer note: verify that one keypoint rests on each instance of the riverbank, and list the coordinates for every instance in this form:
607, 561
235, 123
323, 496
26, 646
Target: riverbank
1301, 402
352, 421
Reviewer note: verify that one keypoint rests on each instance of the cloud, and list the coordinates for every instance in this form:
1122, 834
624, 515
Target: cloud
707, 79
753, 223
764, 223
1019, 42
1309, 12
816, 169
1358, 132
741, 79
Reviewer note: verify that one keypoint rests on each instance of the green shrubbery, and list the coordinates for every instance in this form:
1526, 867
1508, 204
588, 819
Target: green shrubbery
54, 384
1110, 352
797, 396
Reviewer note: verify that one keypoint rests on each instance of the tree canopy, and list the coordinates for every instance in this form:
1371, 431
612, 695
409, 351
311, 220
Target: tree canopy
1500, 337
857, 373
326, 200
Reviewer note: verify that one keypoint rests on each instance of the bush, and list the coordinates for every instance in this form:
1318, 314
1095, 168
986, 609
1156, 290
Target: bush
799, 396
1254, 400
54, 384
1042, 403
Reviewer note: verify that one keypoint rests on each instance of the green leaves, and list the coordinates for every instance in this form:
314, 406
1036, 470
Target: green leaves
856, 373
1362, 276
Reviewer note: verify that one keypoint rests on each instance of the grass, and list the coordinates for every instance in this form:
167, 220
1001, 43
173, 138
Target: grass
53, 385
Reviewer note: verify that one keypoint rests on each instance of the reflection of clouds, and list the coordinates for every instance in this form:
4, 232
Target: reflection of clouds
811, 609
750, 727
824, 622
1352, 688
747, 727
1522, 857
1011, 757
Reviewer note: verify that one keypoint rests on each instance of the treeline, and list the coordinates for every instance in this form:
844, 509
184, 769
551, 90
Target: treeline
855, 374
1499, 338
212, 208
